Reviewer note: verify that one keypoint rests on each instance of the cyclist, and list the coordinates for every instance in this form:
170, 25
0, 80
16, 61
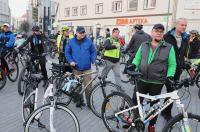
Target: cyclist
81, 53
7, 41
36, 42
193, 46
155, 59
112, 56
137, 39
62, 40
179, 39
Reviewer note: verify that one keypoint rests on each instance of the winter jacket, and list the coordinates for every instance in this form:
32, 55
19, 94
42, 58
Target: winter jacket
137, 39
82, 52
7, 39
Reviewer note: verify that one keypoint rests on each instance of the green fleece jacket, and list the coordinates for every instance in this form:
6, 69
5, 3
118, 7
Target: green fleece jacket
171, 68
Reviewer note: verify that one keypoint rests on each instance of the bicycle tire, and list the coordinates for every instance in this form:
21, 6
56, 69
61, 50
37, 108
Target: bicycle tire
3, 79
21, 79
97, 111
105, 106
58, 106
178, 118
28, 103
16, 68
197, 81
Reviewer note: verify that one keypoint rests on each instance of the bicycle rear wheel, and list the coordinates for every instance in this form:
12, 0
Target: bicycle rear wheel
98, 93
3, 79
112, 104
63, 119
175, 124
13, 75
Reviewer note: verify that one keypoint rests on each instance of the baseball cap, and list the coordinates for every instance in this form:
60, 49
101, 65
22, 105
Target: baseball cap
80, 29
158, 26
6, 24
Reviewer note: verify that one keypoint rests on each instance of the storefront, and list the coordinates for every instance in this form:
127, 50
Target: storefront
98, 26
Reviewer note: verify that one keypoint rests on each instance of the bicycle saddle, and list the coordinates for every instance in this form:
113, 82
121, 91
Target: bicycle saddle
37, 77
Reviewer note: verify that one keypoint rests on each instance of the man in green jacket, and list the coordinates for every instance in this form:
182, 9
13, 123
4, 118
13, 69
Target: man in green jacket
156, 60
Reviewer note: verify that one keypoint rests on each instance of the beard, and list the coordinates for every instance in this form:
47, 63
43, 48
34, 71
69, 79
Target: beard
157, 40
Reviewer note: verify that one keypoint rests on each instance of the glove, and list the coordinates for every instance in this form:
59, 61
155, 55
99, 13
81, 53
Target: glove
170, 81
131, 67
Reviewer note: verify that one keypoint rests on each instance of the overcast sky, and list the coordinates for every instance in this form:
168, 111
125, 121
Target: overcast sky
18, 7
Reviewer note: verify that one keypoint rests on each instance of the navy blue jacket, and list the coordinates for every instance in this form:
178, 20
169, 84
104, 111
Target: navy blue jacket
7, 39
83, 53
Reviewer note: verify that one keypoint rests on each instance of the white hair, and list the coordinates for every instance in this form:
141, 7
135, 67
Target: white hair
180, 19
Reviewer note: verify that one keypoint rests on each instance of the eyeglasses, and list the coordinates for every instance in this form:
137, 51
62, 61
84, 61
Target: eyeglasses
158, 31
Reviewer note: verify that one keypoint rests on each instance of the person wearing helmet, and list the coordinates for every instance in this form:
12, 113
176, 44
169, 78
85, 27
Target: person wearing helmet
36, 42
193, 47
7, 40
62, 40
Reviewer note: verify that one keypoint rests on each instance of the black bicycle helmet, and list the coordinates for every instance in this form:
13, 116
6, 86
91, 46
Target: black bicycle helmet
138, 26
36, 28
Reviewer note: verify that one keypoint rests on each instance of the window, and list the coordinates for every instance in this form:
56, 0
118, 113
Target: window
99, 8
117, 6
67, 12
149, 4
132, 5
83, 10
74, 11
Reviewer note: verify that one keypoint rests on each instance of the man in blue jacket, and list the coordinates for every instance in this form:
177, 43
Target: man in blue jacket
80, 52
7, 40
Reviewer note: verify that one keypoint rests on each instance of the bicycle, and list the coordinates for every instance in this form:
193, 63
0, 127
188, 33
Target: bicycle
11, 73
30, 96
96, 95
31, 66
48, 111
128, 117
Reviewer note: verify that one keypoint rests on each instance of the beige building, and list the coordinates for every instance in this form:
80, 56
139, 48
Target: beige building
97, 15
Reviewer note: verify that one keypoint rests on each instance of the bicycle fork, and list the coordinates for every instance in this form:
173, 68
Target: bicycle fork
185, 126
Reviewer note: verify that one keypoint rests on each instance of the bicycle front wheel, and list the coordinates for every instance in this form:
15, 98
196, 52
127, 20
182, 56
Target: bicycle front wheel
112, 104
24, 74
175, 124
98, 93
28, 101
63, 120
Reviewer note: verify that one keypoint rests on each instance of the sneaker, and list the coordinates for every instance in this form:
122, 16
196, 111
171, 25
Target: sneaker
151, 128
166, 116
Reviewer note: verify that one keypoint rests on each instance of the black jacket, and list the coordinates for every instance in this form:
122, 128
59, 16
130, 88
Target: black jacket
180, 52
137, 39
193, 49
36, 44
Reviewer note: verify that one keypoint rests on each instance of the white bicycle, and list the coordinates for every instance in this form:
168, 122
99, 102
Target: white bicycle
120, 114
53, 117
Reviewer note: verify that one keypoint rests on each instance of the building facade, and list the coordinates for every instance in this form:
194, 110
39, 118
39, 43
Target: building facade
4, 12
97, 15
41, 13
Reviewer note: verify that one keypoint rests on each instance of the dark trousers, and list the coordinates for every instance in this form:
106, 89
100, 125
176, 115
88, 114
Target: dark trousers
42, 62
148, 88
170, 89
